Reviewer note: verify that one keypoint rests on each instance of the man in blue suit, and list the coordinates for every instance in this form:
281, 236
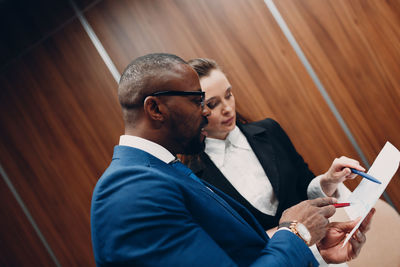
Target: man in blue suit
148, 209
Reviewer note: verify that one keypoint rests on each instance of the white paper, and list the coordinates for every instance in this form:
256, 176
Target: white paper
367, 192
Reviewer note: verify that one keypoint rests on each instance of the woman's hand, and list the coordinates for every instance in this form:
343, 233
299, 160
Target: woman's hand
337, 173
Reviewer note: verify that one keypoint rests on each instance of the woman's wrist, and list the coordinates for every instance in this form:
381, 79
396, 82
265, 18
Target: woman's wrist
327, 185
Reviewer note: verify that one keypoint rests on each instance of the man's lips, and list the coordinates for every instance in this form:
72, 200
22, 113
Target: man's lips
205, 122
204, 132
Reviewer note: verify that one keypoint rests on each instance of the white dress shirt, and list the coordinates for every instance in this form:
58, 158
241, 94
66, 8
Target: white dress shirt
236, 160
148, 146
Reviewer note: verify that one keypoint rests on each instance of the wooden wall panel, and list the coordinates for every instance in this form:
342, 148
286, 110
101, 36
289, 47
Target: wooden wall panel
60, 117
60, 120
19, 244
354, 47
267, 77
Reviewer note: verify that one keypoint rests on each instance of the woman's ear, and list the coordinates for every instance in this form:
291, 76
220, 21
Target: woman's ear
154, 108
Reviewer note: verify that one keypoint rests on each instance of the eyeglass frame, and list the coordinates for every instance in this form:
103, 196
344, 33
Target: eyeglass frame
182, 93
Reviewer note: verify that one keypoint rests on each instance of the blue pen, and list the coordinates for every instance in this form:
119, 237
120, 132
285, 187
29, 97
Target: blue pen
365, 175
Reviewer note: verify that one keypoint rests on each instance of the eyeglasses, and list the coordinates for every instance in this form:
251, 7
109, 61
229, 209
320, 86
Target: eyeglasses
182, 93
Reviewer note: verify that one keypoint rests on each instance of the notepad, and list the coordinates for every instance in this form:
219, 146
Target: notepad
367, 193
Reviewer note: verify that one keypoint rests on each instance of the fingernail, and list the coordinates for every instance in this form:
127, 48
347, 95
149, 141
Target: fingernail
359, 235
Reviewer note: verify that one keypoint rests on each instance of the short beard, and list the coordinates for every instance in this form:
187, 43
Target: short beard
195, 146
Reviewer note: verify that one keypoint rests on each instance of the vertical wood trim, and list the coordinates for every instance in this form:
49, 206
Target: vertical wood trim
286, 31
96, 42
28, 215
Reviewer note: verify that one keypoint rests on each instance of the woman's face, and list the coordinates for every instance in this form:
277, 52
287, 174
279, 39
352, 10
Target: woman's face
221, 102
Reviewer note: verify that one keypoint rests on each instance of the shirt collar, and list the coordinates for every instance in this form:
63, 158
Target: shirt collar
148, 146
216, 148
237, 139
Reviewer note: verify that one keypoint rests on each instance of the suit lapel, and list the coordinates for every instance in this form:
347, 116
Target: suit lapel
215, 177
237, 210
263, 149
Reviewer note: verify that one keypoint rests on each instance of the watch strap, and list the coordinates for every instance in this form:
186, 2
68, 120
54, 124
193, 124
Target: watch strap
292, 227
285, 224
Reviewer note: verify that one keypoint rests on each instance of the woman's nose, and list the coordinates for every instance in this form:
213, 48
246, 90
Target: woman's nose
226, 108
206, 111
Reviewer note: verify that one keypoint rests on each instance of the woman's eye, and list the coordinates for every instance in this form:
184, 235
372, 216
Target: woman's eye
211, 105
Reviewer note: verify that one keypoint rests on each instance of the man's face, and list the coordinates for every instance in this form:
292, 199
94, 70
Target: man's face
187, 117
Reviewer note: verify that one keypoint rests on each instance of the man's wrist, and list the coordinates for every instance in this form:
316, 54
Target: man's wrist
298, 229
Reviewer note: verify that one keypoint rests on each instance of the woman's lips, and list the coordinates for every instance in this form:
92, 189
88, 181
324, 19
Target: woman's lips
228, 121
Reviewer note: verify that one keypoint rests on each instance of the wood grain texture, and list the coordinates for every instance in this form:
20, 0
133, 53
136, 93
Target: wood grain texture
267, 77
19, 245
60, 120
60, 117
354, 47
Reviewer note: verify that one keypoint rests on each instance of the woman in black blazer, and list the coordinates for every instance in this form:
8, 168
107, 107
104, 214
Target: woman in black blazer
256, 163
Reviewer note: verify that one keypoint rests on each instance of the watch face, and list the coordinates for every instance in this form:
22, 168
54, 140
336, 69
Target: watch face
303, 232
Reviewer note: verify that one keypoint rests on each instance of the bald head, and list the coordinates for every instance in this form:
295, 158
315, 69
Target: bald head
144, 76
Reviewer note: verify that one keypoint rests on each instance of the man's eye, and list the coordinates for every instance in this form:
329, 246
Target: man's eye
197, 101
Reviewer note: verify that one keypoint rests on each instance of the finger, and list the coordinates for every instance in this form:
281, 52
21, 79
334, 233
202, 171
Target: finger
366, 224
348, 162
346, 159
328, 211
360, 237
346, 226
322, 202
357, 167
351, 176
345, 171
355, 248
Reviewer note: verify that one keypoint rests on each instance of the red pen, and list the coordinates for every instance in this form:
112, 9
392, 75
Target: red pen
341, 205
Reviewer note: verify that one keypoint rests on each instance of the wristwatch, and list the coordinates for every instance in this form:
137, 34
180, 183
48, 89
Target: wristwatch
298, 229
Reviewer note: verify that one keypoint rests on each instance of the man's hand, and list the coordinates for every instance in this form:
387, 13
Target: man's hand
330, 247
337, 173
313, 214
271, 232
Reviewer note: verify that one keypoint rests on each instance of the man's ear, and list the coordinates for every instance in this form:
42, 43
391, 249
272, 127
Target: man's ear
154, 108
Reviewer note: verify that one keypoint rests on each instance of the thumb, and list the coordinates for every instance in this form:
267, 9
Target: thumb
347, 226
344, 172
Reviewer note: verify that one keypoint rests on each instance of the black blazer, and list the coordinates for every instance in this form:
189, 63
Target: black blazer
285, 168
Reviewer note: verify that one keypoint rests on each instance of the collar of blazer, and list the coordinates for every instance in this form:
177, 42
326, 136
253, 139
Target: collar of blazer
258, 135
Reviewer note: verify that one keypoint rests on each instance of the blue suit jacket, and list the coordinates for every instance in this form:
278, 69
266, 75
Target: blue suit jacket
146, 213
